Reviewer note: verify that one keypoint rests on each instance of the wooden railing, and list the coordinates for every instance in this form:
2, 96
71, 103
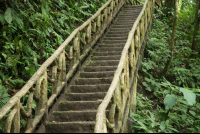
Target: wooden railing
121, 95
71, 52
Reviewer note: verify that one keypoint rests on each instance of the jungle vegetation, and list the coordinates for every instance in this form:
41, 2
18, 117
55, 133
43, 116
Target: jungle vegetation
168, 98
31, 30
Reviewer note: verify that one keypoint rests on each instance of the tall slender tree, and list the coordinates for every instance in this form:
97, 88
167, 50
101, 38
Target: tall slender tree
168, 6
167, 66
196, 28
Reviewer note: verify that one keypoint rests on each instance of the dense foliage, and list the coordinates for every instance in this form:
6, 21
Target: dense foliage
175, 105
31, 30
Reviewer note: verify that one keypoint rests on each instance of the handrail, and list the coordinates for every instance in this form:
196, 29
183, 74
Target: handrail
120, 83
80, 36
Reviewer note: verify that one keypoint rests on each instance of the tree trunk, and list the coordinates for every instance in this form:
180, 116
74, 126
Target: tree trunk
169, 5
196, 28
167, 66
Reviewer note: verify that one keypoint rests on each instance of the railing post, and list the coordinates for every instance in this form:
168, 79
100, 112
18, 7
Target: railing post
54, 77
99, 23
89, 32
132, 58
41, 93
16, 120
9, 121
29, 109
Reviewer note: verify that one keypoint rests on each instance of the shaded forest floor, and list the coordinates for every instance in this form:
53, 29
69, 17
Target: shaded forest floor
170, 104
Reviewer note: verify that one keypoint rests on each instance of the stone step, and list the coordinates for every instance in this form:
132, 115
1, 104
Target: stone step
127, 17
123, 22
97, 74
93, 81
107, 53
129, 14
112, 45
118, 32
130, 10
85, 96
104, 49
120, 29
114, 41
115, 57
104, 63
115, 38
99, 68
89, 88
136, 7
78, 105
133, 8
70, 127
69, 116
121, 26
117, 35
127, 23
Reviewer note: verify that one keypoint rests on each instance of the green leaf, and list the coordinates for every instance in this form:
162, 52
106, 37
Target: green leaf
192, 113
179, 56
2, 19
144, 127
20, 44
169, 101
145, 84
162, 125
183, 117
189, 95
4, 55
8, 15
19, 22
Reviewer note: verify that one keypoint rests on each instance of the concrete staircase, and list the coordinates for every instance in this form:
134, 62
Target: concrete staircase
77, 112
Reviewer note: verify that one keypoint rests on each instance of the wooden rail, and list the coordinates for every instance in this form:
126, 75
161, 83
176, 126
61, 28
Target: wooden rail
79, 43
122, 91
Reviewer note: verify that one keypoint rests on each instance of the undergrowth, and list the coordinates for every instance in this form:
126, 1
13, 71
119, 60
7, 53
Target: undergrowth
175, 106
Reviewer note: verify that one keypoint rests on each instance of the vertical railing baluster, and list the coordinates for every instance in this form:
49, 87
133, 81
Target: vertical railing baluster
102, 19
127, 72
118, 94
112, 112
16, 119
132, 57
94, 28
136, 46
123, 101
76, 47
61, 68
146, 25
64, 66
29, 109
71, 50
41, 93
99, 23
105, 16
54, 77
89, 31
137, 43
84, 43
9, 121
